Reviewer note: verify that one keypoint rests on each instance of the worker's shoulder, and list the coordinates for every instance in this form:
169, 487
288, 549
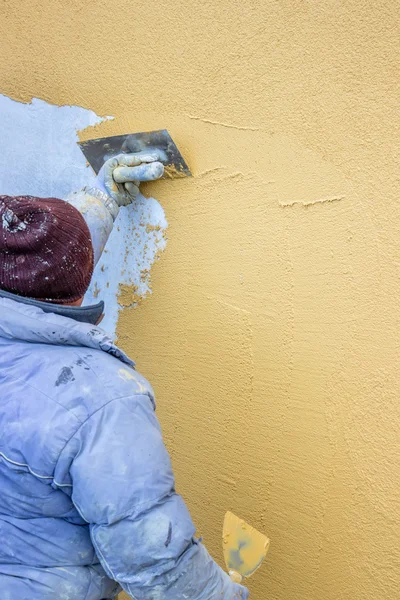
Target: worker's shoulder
119, 379
48, 392
83, 380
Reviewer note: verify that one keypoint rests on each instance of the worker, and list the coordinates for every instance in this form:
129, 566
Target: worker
87, 495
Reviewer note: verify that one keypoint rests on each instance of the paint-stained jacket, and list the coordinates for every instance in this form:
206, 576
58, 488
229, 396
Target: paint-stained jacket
87, 493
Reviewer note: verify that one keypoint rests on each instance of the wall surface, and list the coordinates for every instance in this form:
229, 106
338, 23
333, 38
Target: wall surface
271, 336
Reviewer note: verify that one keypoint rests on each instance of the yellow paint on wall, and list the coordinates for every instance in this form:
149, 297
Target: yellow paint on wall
271, 336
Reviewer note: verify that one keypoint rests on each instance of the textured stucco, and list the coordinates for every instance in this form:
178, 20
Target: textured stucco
271, 336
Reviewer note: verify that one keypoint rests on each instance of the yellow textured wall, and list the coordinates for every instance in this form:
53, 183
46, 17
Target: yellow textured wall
271, 336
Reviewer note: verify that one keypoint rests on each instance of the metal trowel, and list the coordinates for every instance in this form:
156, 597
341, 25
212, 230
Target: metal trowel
244, 547
99, 150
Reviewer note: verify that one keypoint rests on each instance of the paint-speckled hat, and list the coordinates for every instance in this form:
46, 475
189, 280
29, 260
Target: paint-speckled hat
45, 249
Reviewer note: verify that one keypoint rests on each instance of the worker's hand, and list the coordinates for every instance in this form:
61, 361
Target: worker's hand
121, 175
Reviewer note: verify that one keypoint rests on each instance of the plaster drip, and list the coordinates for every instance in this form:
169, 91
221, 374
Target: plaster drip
312, 202
227, 304
210, 171
228, 480
229, 125
219, 177
46, 136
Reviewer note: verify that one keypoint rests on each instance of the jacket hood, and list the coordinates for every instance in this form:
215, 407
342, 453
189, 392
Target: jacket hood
25, 323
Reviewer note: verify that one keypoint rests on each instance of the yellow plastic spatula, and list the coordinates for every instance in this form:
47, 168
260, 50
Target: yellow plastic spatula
244, 547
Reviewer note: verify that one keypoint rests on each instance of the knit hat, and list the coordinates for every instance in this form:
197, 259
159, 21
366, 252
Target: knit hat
45, 249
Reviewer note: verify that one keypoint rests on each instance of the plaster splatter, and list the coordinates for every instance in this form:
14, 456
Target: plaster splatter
312, 202
122, 276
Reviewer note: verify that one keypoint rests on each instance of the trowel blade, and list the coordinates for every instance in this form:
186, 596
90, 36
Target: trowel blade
101, 149
244, 547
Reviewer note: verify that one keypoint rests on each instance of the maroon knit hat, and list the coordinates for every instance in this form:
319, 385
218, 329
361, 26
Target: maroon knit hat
46, 250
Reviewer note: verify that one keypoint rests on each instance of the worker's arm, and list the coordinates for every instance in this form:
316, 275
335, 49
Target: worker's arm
123, 486
117, 184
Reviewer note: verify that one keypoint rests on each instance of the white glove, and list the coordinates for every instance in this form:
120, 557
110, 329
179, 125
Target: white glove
121, 175
117, 184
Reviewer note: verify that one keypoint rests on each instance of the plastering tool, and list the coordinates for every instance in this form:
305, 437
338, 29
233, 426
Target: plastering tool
244, 547
99, 150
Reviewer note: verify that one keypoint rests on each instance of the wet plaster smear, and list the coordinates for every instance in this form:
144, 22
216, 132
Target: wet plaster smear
42, 158
271, 335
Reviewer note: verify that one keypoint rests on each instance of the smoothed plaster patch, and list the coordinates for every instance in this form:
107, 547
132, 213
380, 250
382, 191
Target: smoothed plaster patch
40, 157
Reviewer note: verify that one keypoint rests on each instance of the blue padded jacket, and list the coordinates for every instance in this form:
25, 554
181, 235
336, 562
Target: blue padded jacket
87, 498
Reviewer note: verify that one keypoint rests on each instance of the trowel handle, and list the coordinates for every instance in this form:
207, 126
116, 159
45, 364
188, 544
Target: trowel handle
235, 576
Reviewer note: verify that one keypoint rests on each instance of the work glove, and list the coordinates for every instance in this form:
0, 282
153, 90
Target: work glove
121, 175
117, 184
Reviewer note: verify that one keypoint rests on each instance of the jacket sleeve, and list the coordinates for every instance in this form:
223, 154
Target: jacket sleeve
99, 212
123, 486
